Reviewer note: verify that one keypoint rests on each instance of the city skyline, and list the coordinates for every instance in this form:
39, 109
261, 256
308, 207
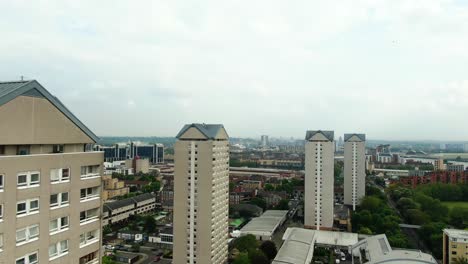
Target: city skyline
397, 65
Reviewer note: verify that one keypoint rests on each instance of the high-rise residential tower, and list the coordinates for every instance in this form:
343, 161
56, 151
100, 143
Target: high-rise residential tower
50, 180
319, 179
264, 141
354, 169
201, 195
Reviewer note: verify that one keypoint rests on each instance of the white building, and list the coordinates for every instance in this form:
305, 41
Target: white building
319, 179
201, 195
354, 169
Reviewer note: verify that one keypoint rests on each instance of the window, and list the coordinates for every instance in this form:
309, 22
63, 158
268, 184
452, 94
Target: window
59, 175
58, 249
1, 212
58, 224
28, 259
89, 193
1, 242
27, 234
28, 179
27, 207
59, 200
2, 149
57, 148
89, 237
23, 149
89, 215
89, 171
1, 182
90, 258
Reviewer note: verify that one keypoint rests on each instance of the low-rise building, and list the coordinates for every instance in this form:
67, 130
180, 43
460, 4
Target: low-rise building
265, 226
456, 167
121, 210
455, 245
113, 187
164, 238
130, 235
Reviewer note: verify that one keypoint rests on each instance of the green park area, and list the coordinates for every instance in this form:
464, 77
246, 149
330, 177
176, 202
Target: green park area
452, 205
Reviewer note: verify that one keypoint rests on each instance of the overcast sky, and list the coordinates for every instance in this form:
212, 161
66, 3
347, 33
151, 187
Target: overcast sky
395, 69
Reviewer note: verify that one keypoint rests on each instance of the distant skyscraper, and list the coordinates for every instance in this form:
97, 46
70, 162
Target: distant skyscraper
319, 179
340, 142
201, 195
264, 140
354, 169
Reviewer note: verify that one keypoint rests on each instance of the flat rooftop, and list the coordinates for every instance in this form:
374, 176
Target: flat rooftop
266, 224
457, 233
378, 250
298, 247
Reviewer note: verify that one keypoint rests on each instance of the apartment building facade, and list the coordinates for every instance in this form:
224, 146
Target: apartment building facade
354, 169
201, 195
319, 179
455, 245
50, 181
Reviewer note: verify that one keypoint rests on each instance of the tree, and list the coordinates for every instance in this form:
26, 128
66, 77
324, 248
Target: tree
371, 203
257, 257
246, 243
152, 187
135, 247
416, 217
108, 260
107, 229
242, 258
269, 249
150, 224
269, 187
283, 205
458, 216
365, 231
260, 202
406, 203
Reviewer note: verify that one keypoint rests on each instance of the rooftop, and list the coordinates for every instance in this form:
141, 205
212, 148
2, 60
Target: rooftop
457, 233
32, 88
266, 224
347, 137
210, 131
378, 250
298, 247
328, 134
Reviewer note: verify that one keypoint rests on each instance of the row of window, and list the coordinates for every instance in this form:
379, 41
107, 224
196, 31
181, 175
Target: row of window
56, 200
32, 178
56, 250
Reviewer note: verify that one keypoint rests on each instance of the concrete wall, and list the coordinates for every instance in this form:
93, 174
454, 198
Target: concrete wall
326, 156
30, 120
359, 160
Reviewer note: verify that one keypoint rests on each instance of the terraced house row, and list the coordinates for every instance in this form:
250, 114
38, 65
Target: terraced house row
50, 180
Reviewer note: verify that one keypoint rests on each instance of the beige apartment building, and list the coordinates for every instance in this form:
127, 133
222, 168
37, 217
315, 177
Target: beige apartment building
50, 184
201, 195
354, 169
455, 245
319, 179
113, 187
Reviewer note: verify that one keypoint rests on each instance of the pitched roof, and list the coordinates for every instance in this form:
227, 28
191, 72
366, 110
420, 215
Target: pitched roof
208, 130
360, 136
143, 197
119, 204
11, 90
128, 201
326, 133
